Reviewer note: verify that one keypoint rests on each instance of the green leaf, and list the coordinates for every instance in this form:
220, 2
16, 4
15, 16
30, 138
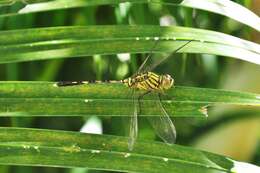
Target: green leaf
63, 42
29, 99
225, 8
20, 146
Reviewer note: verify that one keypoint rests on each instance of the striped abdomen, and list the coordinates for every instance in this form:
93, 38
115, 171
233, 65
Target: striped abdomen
144, 81
72, 83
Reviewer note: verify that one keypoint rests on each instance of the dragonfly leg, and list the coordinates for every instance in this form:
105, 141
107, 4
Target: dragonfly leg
160, 96
165, 95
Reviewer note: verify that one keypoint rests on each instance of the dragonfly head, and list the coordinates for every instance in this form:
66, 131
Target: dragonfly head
167, 81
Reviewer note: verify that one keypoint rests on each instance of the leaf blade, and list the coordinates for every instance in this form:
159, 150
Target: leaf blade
27, 99
225, 8
101, 152
65, 42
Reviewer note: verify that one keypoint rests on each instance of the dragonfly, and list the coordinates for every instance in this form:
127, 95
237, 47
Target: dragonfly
150, 83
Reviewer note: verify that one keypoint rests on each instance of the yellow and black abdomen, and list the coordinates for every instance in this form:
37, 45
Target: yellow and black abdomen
144, 81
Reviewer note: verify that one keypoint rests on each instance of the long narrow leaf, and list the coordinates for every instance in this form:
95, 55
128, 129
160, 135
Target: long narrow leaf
28, 99
226, 8
69, 149
64, 42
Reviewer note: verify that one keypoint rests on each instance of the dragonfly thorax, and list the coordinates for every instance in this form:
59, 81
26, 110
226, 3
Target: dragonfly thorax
149, 81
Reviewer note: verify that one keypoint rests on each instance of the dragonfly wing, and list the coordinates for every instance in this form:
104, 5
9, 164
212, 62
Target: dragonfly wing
164, 58
141, 68
133, 124
163, 125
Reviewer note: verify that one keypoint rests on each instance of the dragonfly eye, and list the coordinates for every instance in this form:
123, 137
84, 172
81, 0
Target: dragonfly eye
171, 80
168, 81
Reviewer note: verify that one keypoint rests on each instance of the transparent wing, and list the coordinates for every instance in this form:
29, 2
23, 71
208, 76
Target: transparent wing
133, 124
145, 68
163, 125
161, 60
140, 69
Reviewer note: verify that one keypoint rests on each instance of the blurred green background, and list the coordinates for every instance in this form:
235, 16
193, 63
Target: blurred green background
230, 131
